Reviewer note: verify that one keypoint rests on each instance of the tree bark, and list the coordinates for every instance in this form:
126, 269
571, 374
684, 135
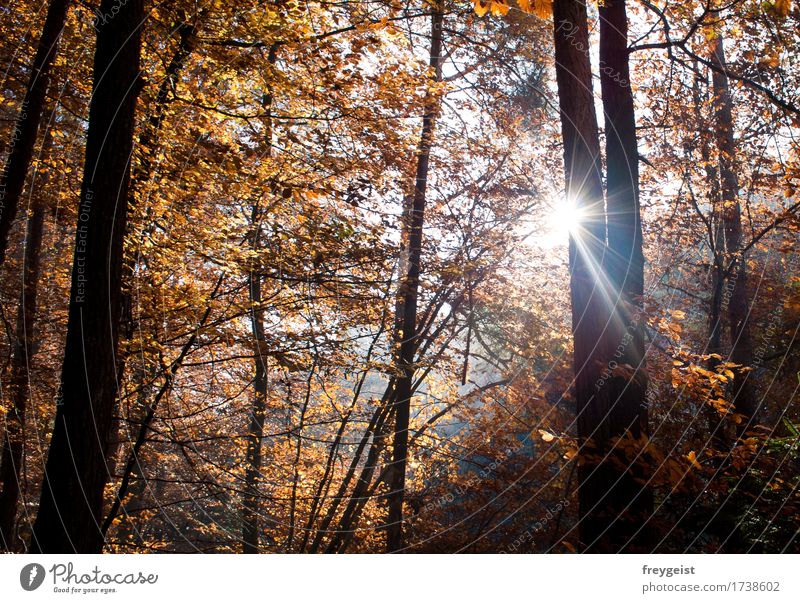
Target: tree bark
71, 507
590, 316
13, 444
737, 305
626, 505
26, 128
255, 432
406, 330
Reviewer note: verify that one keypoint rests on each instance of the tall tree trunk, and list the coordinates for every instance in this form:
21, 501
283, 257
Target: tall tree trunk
737, 306
26, 128
13, 444
255, 432
714, 235
590, 313
76, 471
406, 334
625, 502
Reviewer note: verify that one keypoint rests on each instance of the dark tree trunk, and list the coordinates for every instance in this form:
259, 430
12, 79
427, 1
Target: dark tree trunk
76, 471
406, 329
625, 502
255, 432
737, 306
590, 314
26, 128
13, 444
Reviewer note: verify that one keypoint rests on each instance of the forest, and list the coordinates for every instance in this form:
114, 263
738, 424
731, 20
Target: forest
400, 276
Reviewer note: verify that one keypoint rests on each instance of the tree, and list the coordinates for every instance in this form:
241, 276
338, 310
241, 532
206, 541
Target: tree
20, 384
30, 115
589, 293
606, 263
76, 471
737, 309
408, 291
626, 501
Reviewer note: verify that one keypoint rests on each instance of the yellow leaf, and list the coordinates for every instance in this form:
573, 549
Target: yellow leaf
541, 8
693, 460
546, 435
499, 8
482, 7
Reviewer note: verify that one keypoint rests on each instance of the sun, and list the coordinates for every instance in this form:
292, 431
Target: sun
564, 219
553, 224
559, 222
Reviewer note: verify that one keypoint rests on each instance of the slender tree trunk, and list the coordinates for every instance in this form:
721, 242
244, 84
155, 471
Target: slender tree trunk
379, 417
76, 471
255, 432
625, 502
737, 306
715, 231
590, 313
13, 444
149, 138
26, 128
716, 426
297, 455
406, 336
359, 497
327, 477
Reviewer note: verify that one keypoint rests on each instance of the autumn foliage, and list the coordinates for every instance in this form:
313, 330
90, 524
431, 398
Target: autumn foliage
306, 178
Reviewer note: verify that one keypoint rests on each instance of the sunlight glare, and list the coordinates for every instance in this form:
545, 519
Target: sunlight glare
564, 219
